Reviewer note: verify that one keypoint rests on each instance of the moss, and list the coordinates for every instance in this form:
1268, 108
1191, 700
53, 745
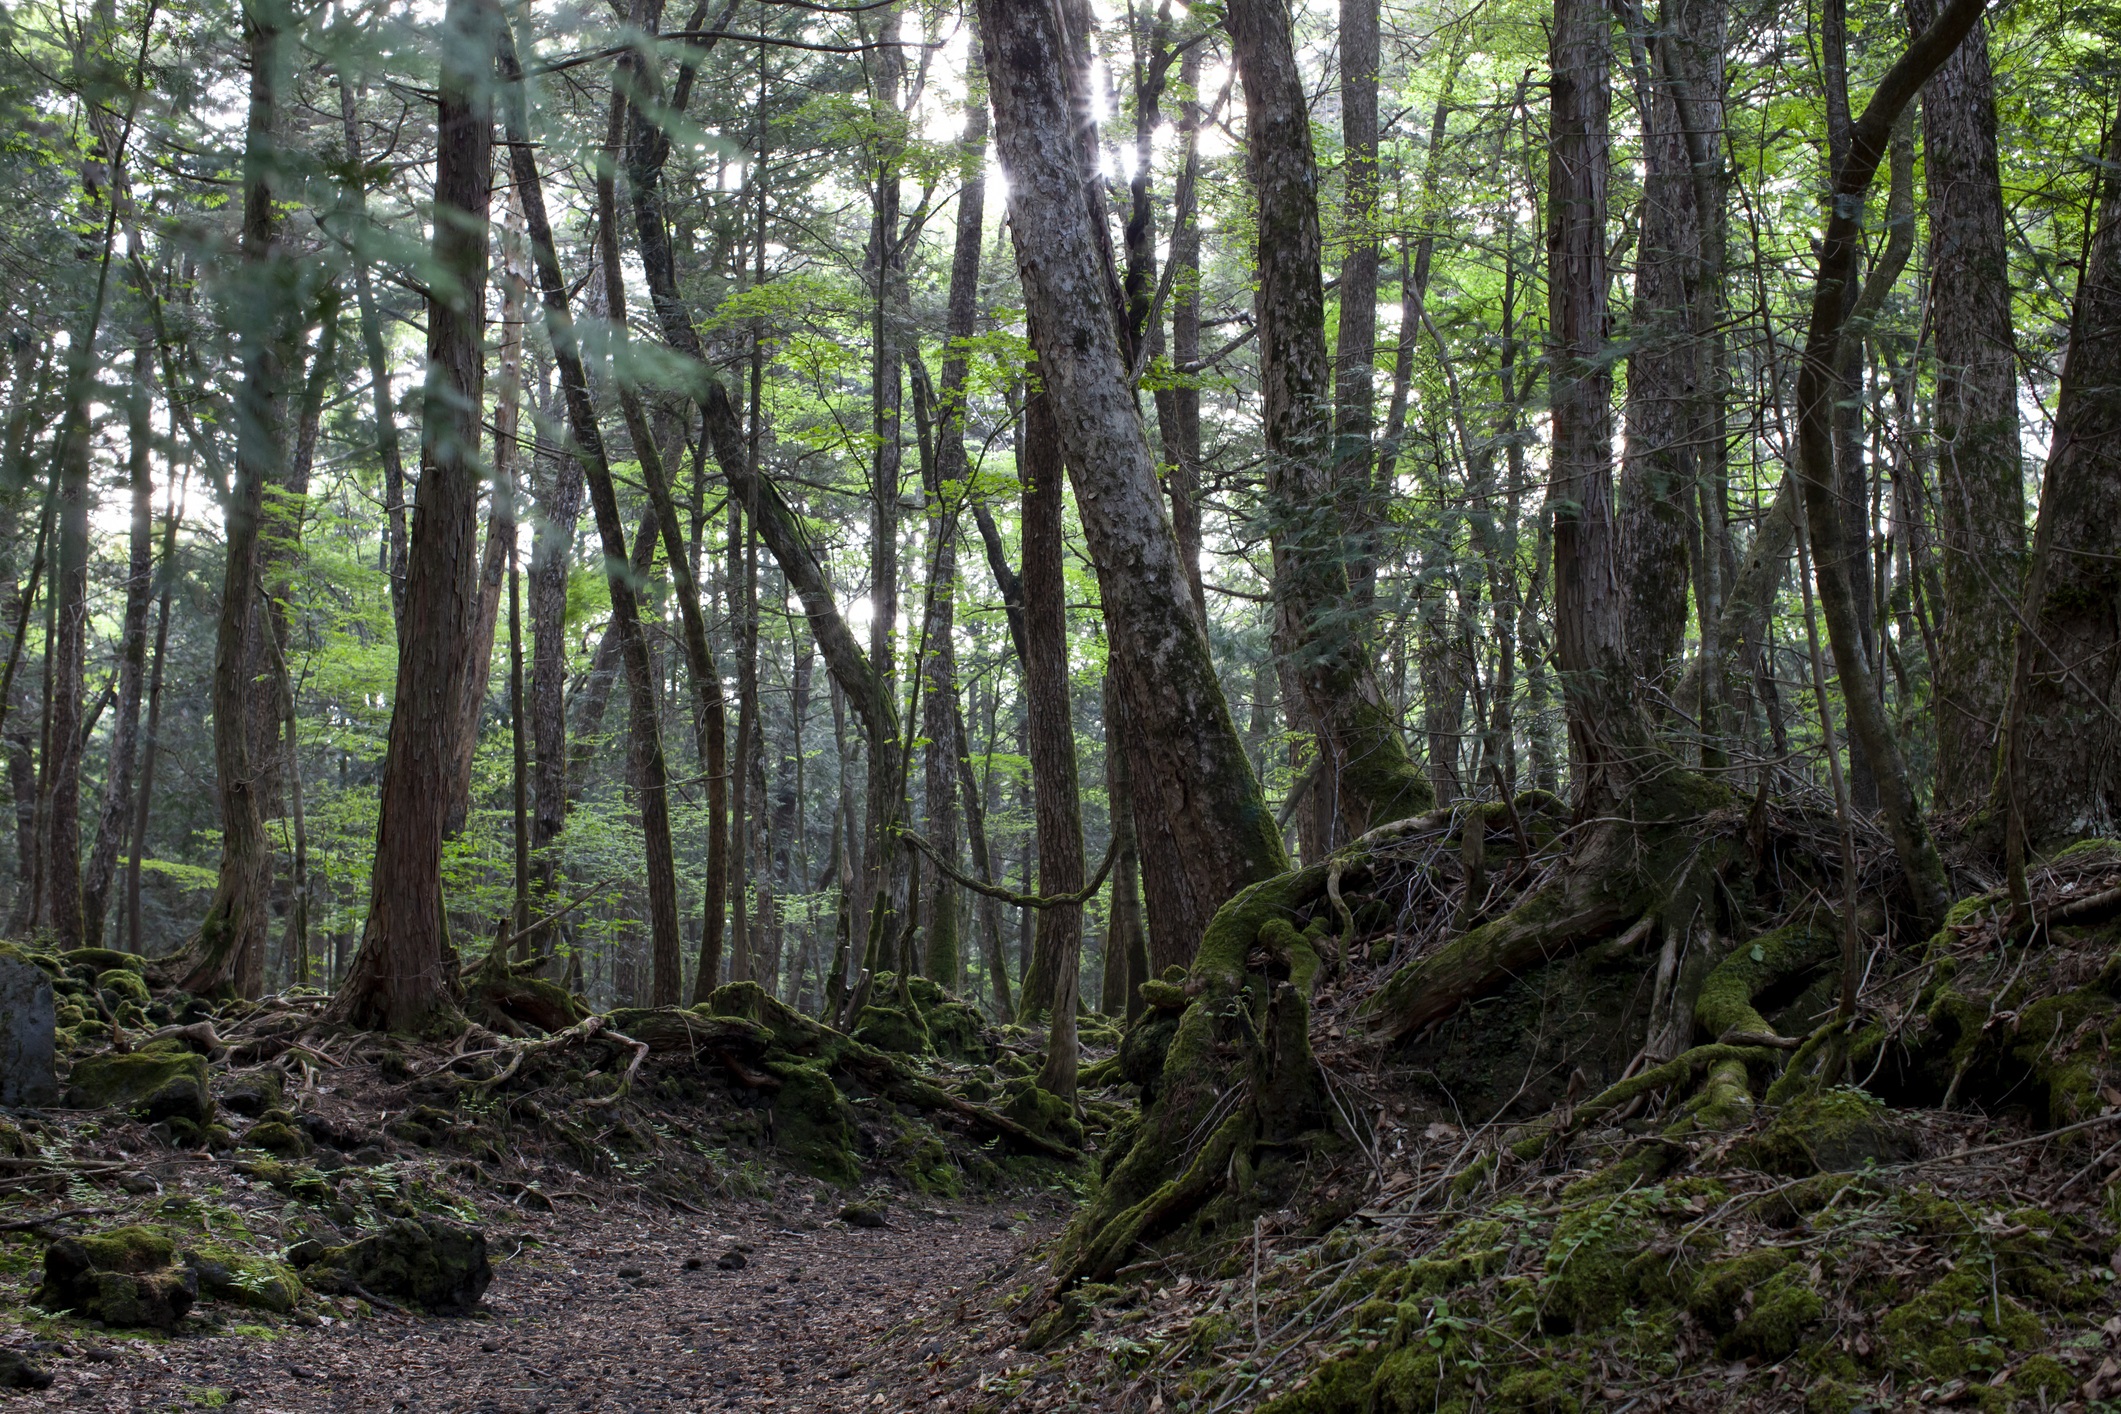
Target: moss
255, 1283
1143, 1048
98, 960
1725, 1002
153, 1084
252, 1093
124, 984
791, 1030
1045, 1114
1164, 996
1552, 1390
1956, 1326
440, 1266
277, 1139
1588, 1282
811, 1124
894, 1029
1832, 1131
121, 1277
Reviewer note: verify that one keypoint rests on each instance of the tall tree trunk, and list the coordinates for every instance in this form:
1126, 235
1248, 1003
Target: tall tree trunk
151, 742
1206, 831
229, 951
558, 488
2064, 763
946, 491
1980, 475
1057, 949
1354, 373
1366, 764
1609, 736
1838, 252
1185, 340
983, 864
132, 652
405, 971
386, 412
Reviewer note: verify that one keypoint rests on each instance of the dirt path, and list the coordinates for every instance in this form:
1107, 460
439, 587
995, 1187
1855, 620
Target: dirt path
621, 1311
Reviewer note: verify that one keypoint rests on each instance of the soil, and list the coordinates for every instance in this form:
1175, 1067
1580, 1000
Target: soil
624, 1309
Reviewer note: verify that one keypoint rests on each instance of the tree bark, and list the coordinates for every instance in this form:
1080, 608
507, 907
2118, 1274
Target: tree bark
1056, 949
229, 952
1126, 946
1354, 372
1206, 829
1318, 628
1980, 476
404, 975
1838, 253
2064, 763
132, 652
559, 492
386, 413
1609, 734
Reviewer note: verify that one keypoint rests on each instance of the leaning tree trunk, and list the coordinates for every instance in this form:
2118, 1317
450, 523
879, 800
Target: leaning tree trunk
1980, 478
1838, 253
2064, 763
405, 972
1366, 765
1206, 829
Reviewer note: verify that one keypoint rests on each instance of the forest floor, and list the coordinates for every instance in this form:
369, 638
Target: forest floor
627, 1307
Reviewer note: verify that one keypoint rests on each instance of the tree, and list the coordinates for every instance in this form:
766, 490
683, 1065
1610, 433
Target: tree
405, 973
1205, 830
2062, 767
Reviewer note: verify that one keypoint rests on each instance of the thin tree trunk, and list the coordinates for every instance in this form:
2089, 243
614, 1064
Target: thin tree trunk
1354, 373
386, 413
132, 652
152, 739
1126, 945
558, 486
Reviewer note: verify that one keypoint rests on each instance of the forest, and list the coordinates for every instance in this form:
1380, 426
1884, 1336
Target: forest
1059, 704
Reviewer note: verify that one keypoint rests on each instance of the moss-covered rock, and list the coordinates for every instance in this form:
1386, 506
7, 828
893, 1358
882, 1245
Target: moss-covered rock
439, 1266
122, 1277
255, 1283
283, 1141
100, 960
124, 984
896, 1029
152, 1084
1833, 1131
1957, 1326
1045, 1114
1588, 1282
252, 1093
811, 1123
1143, 1048
18, 1371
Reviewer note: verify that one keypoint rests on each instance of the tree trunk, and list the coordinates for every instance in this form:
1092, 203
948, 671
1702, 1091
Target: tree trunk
1609, 735
1980, 475
1354, 373
1206, 829
1838, 253
405, 972
1185, 340
1126, 946
558, 487
152, 740
1317, 627
2065, 751
229, 951
386, 413
132, 653
1056, 950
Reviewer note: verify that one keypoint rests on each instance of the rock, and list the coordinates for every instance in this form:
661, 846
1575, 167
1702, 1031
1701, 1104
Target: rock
731, 1261
428, 1262
27, 1022
252, 1093
100, 960
243, 1281
693, 1264
122, 1277
863, 1215
1836, 1131
153, 1083
897, 1029
1046, 1115
126, 984
810, 1122
631, 1273
277, 1139
17, 1372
